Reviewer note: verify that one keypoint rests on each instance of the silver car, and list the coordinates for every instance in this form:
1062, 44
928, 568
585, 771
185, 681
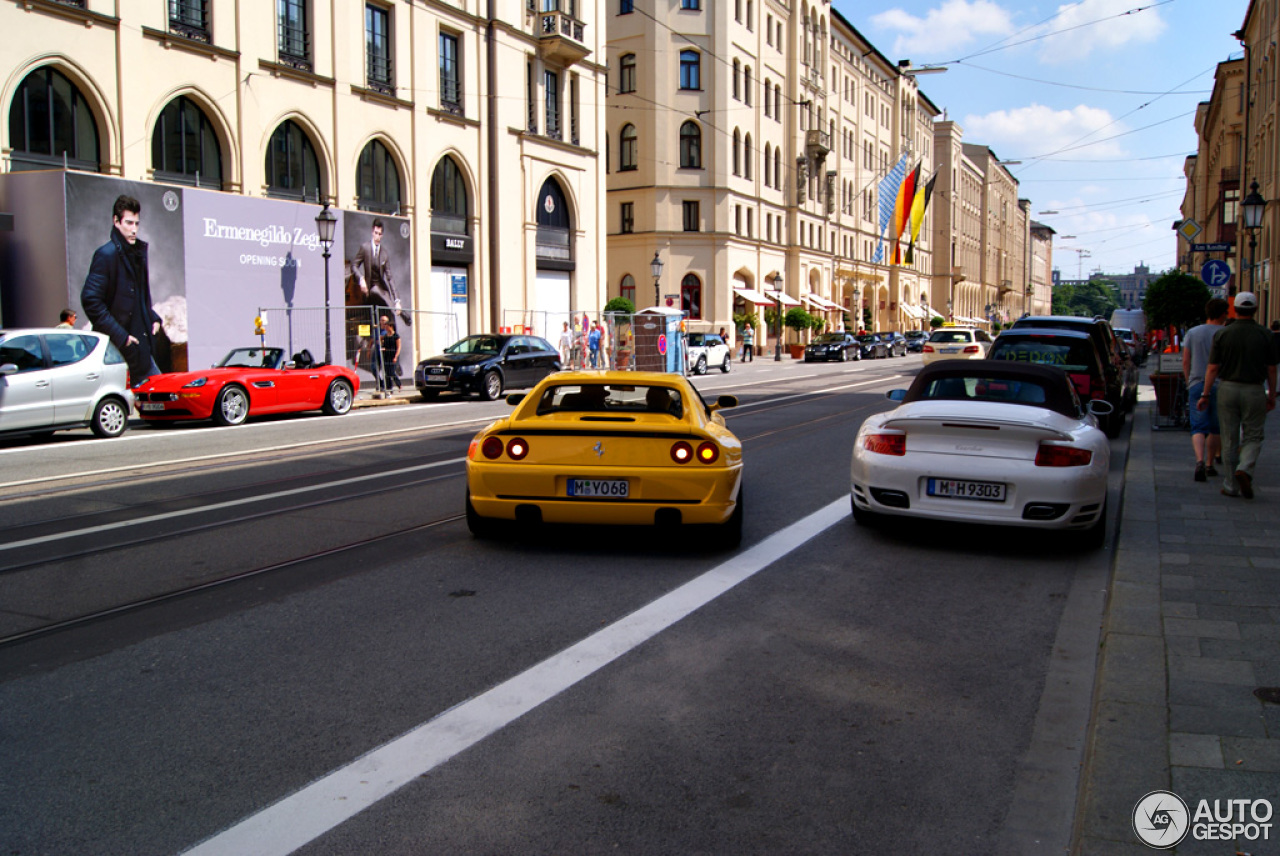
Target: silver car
57, 378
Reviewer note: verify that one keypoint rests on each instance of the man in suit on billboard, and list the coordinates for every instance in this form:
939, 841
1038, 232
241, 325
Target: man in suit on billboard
372, 267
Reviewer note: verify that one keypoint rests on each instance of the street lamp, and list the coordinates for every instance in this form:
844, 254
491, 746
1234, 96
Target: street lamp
655, 267
777, 322
326, 224
1253, 206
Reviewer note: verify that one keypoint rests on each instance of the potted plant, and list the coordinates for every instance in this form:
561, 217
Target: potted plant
936, 321
798, 320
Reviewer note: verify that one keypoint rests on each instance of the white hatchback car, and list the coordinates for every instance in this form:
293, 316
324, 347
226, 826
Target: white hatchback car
707, 350
956, 343
57, 378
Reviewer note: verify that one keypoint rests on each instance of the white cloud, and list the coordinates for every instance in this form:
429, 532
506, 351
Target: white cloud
953, 25
1081, 28
1037, 131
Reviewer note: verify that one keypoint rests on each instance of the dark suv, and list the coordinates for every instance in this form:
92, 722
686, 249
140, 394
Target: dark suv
1073, 351
1116, 356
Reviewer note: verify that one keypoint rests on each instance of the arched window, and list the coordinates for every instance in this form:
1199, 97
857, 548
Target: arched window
449, 208
777, 168
746, 85
777, 102
628, 288
690, 145
737, 74
690, 70
293, 171
377, 180
554, 247
184, 148
49, 121
629, 154
691, 295
737, 152
768, 153
746, 157
768, 99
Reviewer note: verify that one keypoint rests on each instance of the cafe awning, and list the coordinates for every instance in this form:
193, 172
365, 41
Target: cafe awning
783, 297
752, 296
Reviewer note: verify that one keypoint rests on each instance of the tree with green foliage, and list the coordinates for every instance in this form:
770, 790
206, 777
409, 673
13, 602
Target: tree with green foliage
797, 319
1085, 299
1176, 299
620, 305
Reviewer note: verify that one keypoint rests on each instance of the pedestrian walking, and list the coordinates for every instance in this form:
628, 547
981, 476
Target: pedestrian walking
1206, 440
593, 344
566, 346
390, 346
748, 343
67, 318
1244, 357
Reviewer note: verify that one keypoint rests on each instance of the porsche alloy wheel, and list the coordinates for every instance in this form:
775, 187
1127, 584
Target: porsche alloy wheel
338, 399
491, 386
232, 406
110, 418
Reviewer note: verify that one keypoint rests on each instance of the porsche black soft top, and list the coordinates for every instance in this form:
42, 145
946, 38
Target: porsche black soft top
1004, 381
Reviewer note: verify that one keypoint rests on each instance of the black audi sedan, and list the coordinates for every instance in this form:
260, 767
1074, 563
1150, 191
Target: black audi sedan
833, 346
486, 364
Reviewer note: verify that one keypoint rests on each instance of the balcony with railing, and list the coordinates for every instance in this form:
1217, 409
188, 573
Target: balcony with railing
561, 37
378, 74
817, 144
294, 46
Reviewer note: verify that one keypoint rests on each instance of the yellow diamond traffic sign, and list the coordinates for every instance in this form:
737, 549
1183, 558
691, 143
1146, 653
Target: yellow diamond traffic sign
1189, 229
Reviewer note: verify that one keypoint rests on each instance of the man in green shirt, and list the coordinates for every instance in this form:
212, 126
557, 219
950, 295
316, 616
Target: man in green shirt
1243, 357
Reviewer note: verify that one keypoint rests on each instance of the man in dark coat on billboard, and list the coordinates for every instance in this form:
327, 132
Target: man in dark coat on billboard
372, 267
117, 292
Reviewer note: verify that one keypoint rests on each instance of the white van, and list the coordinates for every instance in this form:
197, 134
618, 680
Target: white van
1130, 319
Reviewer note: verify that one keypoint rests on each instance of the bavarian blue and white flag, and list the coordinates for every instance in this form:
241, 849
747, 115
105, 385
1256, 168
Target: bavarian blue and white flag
888, 197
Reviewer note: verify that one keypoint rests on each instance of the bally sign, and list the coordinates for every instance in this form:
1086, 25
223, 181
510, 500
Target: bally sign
452, 249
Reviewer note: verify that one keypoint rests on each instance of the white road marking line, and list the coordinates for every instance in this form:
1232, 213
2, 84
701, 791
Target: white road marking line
231, 503
238, 454
302, 817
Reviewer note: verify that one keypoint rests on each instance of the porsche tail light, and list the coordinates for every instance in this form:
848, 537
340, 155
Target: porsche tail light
885, 444
972, 349
928, 349
682, 452
1049, 455
517, 448
1081, 382
492, 447
708, 452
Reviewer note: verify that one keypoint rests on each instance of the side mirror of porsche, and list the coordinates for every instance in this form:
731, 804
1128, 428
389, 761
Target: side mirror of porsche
515, 398
896, 394
1100, 407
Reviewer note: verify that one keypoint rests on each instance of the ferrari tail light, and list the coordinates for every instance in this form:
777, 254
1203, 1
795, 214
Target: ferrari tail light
708, 452
885, 444
928, 349
972, 349
492, 447
517, 448
1062, 456
681, 452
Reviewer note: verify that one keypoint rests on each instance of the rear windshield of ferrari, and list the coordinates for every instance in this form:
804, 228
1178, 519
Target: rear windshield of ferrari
1069, 354
611, 398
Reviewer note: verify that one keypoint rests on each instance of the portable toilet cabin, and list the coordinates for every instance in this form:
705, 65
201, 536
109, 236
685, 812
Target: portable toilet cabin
659, 340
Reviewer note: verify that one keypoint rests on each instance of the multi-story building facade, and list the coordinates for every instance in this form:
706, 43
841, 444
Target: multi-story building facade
1131, 288
1213, 192
1041, 269
1260, 34
406, 108
747, 141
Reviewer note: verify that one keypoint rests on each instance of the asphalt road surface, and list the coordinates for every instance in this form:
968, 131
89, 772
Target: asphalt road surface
282, 638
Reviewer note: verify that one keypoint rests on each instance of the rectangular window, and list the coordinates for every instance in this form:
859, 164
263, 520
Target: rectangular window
768, 30
627, 73
551, 81
450, 78
377, 46
691, 218
691, 296
690, 70
531, 97
628, 289
691, 4
737, 219
751, 232
293, 36
625, 7
628, 218
574, 135
190, 18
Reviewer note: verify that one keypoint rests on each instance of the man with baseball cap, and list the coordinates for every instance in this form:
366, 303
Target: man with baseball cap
1243, 356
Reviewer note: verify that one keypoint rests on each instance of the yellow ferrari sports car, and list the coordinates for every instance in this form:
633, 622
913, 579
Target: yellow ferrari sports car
608, 447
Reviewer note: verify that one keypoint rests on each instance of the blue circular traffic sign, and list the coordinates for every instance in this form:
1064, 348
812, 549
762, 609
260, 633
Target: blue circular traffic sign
1216, 273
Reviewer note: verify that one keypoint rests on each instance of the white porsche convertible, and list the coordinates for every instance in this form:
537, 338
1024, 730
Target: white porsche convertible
986, 441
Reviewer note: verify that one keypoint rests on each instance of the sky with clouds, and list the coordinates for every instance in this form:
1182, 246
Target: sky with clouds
1096, 98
